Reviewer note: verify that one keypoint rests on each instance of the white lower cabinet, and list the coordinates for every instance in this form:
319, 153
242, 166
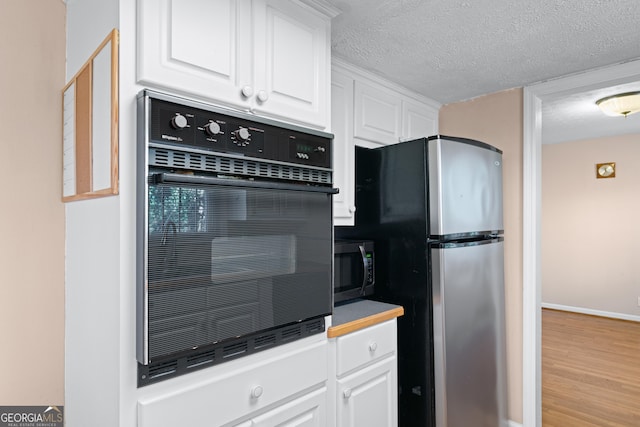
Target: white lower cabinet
307, 411
348, 381
367, 377
286, 386
369, 396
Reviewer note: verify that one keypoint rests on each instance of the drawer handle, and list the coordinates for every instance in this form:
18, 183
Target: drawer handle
373, 346
257, 391
347, 393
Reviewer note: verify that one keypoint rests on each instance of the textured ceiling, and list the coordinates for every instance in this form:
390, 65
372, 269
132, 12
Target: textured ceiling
453, 50
576, 116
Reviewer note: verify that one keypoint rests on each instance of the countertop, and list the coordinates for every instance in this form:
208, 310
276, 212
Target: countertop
359, 314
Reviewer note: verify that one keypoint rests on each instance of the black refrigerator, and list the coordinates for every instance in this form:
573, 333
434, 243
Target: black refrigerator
433, 207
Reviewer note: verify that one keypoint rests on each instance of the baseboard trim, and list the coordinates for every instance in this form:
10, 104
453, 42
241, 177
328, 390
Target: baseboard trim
514, 424
591, 312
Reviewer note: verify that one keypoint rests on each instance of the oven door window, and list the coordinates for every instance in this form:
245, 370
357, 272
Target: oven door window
225, 261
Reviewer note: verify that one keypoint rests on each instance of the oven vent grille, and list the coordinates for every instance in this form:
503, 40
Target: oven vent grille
199, 360
178, 364
265, 341
235, 349
315, 326
293, 332
235, 166
162, 370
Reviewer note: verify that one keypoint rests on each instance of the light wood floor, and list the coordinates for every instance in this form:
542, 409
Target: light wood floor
590, 371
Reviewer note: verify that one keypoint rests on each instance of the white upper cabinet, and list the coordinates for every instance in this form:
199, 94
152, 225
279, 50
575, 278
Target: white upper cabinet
193, 46
271, 57
378, 113
369, 111
292, 62
418, 120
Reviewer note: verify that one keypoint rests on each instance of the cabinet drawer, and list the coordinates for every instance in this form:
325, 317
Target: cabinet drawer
238, 392
365, 346
309, 410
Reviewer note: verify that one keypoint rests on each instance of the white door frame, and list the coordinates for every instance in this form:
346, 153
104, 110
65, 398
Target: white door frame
534, 96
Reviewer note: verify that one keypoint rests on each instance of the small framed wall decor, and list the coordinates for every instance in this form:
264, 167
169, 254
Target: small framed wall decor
606, 170
90, 126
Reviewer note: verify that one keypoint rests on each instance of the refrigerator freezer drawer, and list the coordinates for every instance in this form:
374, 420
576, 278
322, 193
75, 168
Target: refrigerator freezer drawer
465, 187
468, 334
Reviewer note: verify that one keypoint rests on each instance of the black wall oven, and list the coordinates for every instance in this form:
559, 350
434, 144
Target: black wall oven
234, 235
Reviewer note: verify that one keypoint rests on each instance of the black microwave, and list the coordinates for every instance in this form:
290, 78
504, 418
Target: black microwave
354, 269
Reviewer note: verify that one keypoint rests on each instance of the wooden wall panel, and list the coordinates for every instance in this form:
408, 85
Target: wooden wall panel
87, 155
83, 131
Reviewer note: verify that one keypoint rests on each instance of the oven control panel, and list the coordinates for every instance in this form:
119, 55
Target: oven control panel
210, 129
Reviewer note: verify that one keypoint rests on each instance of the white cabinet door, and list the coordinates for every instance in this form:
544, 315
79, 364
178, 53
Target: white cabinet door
369, 397
307, 411
292, 61
343, 148
267, 56
377, 113
195, 46
418, 120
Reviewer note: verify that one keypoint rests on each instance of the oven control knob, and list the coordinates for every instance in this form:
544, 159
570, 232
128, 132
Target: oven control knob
242, 134
212, 128
179, 121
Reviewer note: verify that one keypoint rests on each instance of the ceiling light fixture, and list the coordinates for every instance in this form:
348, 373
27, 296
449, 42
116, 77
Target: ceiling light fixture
622, 104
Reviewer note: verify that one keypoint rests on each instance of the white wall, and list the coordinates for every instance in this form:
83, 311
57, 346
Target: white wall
31, 211
88, 23
92, 324
591, 227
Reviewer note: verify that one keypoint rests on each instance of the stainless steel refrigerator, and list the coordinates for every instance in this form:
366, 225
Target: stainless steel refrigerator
433, 207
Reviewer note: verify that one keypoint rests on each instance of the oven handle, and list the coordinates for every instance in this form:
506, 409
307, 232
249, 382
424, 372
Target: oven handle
175, 178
